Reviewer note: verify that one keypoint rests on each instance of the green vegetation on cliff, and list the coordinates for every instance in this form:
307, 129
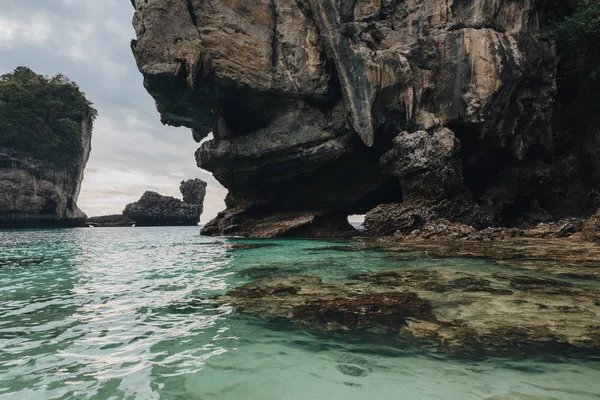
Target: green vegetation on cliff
43, 116
578, 37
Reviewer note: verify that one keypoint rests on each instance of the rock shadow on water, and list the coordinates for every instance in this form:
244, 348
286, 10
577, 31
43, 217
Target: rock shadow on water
269, 271
20, 262
251, 246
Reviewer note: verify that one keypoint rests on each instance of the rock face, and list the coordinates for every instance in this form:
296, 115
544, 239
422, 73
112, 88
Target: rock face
154, 209
325, 108
37, 193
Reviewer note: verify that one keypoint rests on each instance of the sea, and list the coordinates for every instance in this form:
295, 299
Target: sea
131, 313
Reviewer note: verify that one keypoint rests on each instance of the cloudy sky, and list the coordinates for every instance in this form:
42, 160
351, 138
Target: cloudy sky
88, 40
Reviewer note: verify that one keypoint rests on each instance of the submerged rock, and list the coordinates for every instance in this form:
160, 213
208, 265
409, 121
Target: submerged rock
322, 109
444, 311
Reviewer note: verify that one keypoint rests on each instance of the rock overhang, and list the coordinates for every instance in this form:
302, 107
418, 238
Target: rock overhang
285, 86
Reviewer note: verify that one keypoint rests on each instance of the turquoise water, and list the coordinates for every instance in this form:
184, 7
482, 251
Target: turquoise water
126, 313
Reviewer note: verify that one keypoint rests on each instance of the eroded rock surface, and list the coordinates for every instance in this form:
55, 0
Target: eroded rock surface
325, 108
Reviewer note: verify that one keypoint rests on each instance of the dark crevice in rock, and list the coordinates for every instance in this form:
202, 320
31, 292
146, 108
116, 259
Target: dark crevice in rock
274, 44
482, 161
192, 11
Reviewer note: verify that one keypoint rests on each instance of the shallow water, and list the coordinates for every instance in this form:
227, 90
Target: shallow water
126, 313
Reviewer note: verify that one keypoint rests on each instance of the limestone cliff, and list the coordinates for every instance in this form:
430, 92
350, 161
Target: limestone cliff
45, 142
36, 193
323, 108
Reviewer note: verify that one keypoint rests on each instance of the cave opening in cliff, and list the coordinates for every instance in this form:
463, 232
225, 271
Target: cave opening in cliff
244, 116
356, 220
483, 160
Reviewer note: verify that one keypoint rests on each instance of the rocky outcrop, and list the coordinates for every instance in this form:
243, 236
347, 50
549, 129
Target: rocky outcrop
322, 109
154, 209
38, 193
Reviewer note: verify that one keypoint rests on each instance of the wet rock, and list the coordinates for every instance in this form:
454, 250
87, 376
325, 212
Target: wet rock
429, 168
245, 223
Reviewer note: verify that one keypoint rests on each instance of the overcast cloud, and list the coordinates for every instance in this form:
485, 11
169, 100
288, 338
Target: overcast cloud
88, 40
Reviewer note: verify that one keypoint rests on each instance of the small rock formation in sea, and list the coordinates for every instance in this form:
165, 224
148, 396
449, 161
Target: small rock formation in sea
154, 209
417, 110
45, 141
